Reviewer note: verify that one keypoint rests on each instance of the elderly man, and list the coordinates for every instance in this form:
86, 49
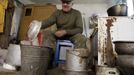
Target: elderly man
69, 26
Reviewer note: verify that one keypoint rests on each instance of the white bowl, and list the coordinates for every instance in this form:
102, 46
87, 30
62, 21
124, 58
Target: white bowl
34, 29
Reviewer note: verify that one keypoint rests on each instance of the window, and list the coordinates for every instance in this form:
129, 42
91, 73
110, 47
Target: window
28, 12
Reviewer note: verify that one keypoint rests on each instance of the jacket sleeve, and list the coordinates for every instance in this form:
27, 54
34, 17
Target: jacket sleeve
79, 26
50, 21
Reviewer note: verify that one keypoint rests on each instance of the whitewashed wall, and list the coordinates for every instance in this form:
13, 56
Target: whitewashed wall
123, 29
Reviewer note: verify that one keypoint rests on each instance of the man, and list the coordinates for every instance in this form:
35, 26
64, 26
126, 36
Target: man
69, 26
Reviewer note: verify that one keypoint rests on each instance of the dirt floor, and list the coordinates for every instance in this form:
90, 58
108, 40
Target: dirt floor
8, 72
54, 71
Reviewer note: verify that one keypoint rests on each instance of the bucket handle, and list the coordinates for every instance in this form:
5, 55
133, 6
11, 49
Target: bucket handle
111, 73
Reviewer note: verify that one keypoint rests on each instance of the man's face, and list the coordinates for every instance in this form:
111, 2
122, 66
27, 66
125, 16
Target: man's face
66, 6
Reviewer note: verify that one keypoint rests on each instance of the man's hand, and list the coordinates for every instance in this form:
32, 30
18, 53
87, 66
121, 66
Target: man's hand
60, 33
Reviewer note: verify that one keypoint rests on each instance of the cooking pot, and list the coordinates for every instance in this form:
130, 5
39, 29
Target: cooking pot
124, 47
118, 10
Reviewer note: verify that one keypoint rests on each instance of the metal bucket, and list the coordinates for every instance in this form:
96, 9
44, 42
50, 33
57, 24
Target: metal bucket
104, 70
75, 61
34, 60
124, 47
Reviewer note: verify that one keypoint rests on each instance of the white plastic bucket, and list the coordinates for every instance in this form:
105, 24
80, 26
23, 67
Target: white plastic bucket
14, 55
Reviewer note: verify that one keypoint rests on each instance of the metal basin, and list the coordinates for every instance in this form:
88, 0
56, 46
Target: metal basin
118, 10
105, 70
124, 47
125, 61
